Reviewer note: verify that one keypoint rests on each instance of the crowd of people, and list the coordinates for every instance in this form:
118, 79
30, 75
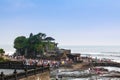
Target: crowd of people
44, 62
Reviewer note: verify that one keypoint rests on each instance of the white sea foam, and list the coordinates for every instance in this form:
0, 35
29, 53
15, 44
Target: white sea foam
112, 68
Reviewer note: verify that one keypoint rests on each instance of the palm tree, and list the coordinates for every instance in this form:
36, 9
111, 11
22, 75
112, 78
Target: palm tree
36, 43
41, 36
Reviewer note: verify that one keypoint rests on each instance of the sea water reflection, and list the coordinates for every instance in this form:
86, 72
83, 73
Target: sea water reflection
41, 76
9, 71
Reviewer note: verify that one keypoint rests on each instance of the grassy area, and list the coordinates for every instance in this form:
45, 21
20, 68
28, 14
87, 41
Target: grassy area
2, 59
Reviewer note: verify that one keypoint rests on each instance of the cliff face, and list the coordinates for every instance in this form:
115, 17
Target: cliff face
41, 76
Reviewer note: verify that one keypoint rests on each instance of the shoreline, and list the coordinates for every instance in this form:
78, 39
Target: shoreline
84, 66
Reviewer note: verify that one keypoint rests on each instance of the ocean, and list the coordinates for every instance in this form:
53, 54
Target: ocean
76, 49
109, 52
92, 49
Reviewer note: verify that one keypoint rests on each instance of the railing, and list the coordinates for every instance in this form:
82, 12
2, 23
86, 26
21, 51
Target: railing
26, 73
16, 65
11, 65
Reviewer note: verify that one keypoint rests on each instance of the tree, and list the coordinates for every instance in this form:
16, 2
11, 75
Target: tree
2, 51
20, 44
49, 39
33, 45
50, 45
41, 36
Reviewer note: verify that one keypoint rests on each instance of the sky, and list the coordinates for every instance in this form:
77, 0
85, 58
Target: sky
70, 22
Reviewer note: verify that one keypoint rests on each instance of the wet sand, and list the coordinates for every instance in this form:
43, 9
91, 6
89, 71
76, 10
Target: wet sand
76, 66
41, 76
80, 66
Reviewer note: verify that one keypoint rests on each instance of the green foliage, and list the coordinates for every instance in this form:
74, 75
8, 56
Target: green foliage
20, 42
2, 51
33, 45
1, 59
52, 46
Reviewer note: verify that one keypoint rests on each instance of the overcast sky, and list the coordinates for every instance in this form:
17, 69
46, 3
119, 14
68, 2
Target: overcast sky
70, 22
